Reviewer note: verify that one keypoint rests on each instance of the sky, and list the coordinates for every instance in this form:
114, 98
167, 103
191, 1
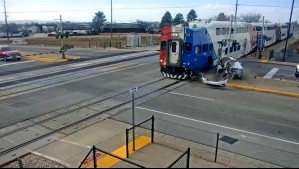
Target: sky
147, 10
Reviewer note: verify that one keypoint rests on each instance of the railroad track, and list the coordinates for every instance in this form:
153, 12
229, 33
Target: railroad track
57, 70
58, 80
61, 120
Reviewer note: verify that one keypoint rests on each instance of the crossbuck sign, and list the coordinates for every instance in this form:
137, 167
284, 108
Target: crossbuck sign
133, 90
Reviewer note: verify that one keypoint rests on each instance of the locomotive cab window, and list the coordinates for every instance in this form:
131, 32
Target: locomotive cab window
163, 45
173, 49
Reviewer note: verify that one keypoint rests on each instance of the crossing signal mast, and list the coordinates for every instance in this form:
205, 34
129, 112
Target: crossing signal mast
5, 15
61, 35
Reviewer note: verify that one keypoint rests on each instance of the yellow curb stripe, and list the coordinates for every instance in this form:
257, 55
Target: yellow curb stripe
109, 161
264, 61
43, 59
263, 90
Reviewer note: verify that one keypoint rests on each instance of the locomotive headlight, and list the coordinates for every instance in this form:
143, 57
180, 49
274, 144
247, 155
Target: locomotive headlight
175, 35
161, 60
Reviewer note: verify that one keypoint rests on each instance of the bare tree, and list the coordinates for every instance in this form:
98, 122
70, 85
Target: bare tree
251, 17
222, 17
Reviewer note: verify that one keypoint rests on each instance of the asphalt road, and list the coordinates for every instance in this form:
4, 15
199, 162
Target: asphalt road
265, 119
262, 69
82, 52
16, 66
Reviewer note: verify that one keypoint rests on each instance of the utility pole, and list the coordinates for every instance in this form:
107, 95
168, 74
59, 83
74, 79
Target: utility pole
111, 21
236, 12
289, 29
5, 15
61, 37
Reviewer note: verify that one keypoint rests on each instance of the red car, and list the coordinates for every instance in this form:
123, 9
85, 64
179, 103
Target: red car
9, 53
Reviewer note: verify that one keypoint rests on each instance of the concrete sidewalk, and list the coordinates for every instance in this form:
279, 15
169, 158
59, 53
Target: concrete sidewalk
109, 135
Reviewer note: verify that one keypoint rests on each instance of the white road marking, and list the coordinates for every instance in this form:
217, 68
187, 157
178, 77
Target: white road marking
52, 159
191, 96
75, 144
17, 63
271, 73
243, 131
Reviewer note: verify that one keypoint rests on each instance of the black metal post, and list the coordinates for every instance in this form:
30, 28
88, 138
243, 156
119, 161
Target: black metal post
188, 158
110, 44
85, 158
133, 119
20, 162
127, 143
153, 129
217, 143
94, 150
289, 29
89, 45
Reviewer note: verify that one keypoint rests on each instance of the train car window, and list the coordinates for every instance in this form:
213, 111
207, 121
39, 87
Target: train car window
235, 48
205, 48
237, 30
188, 47
223, 31
226, 51
239, 47
197, 49
174, 44
163, 45
231, 49
218, 31
227, 31
259, 28
240, 30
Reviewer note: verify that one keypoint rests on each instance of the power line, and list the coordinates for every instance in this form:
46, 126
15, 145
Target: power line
150, 8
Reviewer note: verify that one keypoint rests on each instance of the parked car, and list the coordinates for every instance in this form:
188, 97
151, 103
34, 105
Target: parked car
9, 53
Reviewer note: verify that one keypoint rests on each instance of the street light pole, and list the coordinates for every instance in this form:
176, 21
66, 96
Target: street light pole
289, 29
236, 12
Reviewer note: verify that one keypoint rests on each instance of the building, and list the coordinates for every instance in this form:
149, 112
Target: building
124, 28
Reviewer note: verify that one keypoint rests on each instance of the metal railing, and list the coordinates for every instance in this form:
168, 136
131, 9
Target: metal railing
183, 161
139, 136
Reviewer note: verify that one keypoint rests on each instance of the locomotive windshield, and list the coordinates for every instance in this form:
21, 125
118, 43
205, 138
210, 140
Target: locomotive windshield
163, 45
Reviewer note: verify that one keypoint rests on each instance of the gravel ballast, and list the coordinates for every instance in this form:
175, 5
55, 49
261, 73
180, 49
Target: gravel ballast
34, 161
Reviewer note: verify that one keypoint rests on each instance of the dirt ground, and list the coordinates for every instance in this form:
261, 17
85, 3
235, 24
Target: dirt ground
102, 40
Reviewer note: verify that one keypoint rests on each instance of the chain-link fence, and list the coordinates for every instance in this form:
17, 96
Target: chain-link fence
183, 161
139, 136
97, 158
271, 155
216, 147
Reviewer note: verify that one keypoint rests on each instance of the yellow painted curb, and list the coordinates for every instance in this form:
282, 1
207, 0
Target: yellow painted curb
264, 61
43, 59
109, 161
263, 90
